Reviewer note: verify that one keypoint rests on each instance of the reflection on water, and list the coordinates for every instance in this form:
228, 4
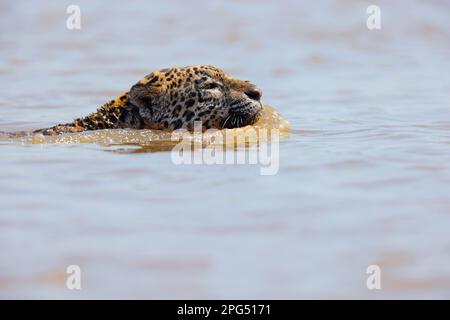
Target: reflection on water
364, 172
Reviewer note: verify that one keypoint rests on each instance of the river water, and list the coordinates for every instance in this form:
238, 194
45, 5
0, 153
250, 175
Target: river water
363, 177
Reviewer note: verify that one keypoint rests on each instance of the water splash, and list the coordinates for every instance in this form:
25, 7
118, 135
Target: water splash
156, 140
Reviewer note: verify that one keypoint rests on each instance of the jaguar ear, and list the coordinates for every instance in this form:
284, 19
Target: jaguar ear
147, 90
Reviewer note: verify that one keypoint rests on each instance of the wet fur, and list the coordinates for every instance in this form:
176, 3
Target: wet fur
175, 98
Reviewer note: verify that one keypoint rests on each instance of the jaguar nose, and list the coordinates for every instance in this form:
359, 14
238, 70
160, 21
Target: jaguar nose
254, 93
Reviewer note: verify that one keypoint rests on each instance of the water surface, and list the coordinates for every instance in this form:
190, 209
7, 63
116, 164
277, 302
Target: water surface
364, 175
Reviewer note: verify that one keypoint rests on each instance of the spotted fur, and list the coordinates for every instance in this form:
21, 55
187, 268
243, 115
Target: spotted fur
175, 98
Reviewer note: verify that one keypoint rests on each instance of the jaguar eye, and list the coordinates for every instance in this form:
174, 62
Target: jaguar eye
211, 85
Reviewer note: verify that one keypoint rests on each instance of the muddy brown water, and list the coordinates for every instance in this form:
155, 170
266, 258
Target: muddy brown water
364, 175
